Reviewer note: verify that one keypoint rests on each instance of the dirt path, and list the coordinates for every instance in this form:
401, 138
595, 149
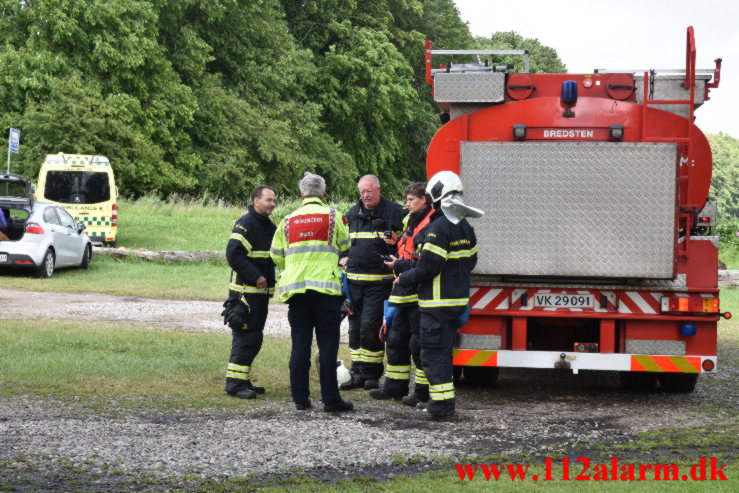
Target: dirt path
186, 315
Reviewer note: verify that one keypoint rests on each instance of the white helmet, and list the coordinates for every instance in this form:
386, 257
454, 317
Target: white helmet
442, 184
342, 373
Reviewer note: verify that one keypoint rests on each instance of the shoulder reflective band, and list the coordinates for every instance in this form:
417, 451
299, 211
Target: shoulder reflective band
239, 237
435, 249
463, 253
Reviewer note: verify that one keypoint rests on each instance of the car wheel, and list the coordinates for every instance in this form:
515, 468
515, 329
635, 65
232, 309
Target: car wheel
86, 257
46, 269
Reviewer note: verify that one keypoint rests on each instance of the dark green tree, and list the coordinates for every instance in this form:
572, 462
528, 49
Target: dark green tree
725, 181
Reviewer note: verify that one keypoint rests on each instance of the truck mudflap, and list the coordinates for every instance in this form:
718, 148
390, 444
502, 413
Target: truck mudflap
576, 361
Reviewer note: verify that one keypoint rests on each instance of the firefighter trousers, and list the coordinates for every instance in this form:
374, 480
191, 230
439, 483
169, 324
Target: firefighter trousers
403, 345
246, 343
367, 351
322, 312
438, 326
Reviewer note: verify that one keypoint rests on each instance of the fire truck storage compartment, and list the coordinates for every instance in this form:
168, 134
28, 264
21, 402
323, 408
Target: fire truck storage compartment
671, 86
560, 334
573, 209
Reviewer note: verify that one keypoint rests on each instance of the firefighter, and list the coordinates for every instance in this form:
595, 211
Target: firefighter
442, 274
307, 247
252, 284
371, 219
403, 337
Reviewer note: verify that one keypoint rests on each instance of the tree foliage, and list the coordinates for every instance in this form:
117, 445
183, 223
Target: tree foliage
725, 180
217, 96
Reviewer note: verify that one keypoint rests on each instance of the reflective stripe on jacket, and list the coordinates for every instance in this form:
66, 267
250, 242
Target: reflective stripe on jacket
442, 273
307, 246
247, 253
366, 228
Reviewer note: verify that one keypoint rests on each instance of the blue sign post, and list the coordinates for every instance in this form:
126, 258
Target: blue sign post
14, 141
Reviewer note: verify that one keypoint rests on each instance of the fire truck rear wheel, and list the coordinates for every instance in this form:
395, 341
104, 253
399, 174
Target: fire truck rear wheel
638, 381
678, 382
480, 377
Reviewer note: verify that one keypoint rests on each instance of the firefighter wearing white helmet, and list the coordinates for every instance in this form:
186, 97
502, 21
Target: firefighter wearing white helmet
442, 274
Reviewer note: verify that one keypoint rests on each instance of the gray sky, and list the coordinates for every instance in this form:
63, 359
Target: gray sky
628, 34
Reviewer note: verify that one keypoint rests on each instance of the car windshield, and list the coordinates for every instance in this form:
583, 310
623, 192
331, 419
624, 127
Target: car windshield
77, 187
14, 189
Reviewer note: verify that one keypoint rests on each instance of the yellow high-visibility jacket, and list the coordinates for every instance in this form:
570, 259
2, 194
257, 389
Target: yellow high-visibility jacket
307, 246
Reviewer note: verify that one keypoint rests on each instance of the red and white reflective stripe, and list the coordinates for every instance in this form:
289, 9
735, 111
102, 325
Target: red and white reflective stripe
491, 298
635, 302
622, 302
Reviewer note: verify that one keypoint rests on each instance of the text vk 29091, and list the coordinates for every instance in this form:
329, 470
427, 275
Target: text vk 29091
707, 469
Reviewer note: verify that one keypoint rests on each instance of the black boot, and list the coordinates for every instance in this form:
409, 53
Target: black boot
340, 406
254, 388
382, 395
245, 394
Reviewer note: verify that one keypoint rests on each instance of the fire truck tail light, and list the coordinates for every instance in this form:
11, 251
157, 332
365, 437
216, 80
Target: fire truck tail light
726, 315
687, 329
519, 131
704, 219
682, 304
708, 365
690, 304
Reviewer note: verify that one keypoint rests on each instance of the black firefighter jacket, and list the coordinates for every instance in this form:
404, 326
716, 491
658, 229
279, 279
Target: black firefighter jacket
247, 253
442, 274
367, 247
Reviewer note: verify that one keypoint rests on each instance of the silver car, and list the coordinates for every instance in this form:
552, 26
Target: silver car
38, 235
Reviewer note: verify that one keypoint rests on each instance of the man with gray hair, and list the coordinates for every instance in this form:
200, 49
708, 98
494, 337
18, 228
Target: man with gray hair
307, 246
371, 220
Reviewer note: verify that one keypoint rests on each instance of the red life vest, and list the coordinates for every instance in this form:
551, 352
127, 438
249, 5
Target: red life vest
406, 247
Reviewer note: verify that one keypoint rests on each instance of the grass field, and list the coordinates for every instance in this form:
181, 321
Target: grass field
130, 366
187, 224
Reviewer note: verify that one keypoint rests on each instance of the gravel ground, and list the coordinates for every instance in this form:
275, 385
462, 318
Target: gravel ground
529, 411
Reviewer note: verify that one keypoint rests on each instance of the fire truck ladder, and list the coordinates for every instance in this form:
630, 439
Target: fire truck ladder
471, 67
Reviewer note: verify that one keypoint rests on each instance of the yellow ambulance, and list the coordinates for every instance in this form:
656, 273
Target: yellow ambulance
85, 186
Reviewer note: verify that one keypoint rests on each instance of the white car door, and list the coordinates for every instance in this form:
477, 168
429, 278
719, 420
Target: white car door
58, 234
70, 250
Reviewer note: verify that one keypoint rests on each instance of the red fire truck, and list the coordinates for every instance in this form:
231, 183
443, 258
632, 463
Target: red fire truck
596, 249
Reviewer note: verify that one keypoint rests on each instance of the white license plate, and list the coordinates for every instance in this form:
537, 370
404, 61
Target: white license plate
3, 258
563, 300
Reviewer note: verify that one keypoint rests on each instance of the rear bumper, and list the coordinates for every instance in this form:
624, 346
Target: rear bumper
582, 361
22, 251
15, 261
